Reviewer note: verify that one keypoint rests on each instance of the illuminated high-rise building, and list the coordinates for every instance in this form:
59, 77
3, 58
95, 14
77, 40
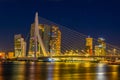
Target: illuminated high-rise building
44, 31
10, 55
2, 55
51, 37
89, 45
19, 46
100, 49
32, 42
55, 41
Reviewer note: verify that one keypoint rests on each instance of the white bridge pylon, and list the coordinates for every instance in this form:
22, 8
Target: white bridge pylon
38, 38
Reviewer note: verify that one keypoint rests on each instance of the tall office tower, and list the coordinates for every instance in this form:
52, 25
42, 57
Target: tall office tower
89, 45
55, 41
32, 42
19, 46
100, 49
44, 31
46, 37
97, 50
102, 46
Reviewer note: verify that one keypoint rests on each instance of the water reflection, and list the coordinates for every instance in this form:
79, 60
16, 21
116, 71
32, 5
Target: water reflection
58, 71
1, 70
101, 70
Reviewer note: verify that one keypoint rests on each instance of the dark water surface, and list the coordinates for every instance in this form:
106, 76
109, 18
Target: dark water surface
58, 71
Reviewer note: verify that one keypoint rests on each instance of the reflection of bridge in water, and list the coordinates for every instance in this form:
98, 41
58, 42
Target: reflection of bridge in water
69, 42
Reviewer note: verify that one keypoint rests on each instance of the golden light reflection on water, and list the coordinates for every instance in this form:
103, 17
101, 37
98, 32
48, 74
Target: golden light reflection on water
32, 72
115, 76
76, 71
19, 71
68, 71
58, 71
115, 67
89, 76
1, 70
87, 65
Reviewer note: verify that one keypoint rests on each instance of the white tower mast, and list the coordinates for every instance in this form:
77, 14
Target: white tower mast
38, 37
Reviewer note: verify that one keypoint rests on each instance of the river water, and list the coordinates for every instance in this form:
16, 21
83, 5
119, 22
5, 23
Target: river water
58, 71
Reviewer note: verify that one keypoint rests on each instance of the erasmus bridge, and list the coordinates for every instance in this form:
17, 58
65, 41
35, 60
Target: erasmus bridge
48, 39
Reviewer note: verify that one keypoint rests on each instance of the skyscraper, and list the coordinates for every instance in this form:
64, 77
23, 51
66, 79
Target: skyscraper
55, 41
19, 46
100, 49
89, 45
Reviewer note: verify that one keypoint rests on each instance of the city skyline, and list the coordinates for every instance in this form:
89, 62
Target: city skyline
49, 39
90, 17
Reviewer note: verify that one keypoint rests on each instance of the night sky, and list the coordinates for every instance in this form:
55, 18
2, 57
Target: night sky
97, 18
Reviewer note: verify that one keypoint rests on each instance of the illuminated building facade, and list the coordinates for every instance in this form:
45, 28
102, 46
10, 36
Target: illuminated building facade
19, 46
2, 55
32, 42
89, 45
100, 49
51, 37
55, 41
10, 55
